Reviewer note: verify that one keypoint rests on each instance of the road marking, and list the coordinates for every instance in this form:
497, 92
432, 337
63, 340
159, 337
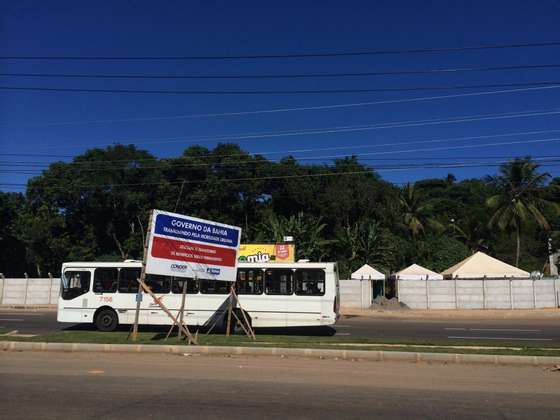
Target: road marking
342, 326
96, 372
500, 338
502, 329
491, 329
342, 333
12, 319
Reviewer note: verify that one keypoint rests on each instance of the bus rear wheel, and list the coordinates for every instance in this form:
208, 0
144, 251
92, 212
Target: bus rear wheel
106, 320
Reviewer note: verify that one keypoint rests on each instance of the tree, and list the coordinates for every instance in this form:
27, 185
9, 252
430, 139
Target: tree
367, 243
440, 252
307, 231
416, 211
519, 198
471, 230
13, 260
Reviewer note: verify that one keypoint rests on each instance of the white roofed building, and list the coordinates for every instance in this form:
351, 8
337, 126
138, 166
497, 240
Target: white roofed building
367, 272
480, 265
417, 272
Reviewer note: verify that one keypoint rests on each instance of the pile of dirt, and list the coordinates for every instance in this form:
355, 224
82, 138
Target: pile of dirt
393, 304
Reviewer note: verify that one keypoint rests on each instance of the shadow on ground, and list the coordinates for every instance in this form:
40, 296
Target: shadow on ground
324, 331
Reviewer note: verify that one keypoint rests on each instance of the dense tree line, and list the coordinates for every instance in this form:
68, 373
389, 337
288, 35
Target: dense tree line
96, 208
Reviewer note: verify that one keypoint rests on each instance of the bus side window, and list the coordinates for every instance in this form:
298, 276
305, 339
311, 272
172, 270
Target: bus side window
249, 282
177, 285
310, 282
215, 287
278, 282
75, 283
128, 282
105, 280
158, 284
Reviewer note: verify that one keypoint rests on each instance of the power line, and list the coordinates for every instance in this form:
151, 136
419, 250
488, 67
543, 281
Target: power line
406, 163
385, 152
284, 75
289, 55
279, 177
295, 109
277, 152
377, 167
277, 92
335, 129
211, 155
166, 164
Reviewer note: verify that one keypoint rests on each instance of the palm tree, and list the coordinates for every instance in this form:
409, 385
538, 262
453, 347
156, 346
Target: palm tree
416, 211
519, 198
471, 231
307, 230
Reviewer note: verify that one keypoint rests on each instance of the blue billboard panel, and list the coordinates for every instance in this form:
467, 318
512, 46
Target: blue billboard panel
196, 230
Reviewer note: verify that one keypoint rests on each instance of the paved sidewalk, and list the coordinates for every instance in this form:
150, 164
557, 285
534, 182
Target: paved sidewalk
372, 355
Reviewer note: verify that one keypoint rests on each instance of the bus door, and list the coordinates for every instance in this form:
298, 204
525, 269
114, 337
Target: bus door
105, 284
75, 288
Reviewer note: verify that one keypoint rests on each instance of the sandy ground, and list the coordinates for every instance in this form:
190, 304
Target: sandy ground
456, 314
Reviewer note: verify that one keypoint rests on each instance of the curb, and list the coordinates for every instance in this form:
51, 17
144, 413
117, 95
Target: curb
373, 355
30, 307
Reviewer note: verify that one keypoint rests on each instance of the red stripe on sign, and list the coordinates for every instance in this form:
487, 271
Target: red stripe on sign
171, 249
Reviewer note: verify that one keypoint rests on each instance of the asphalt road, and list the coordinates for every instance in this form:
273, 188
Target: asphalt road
118, 386
541, 331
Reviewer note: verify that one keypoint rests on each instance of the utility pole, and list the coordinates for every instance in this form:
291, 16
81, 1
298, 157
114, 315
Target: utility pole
141, 280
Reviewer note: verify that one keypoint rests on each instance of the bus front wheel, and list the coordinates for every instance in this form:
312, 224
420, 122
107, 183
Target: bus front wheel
106, 320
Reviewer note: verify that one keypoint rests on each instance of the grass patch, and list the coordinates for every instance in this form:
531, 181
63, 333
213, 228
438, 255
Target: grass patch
290, 341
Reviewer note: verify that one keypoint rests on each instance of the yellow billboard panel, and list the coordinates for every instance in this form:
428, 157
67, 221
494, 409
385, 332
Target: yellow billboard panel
260, 253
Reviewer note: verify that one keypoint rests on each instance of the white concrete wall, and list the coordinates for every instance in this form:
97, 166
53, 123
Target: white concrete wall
22, 291
480, 294
413, 293
355, 293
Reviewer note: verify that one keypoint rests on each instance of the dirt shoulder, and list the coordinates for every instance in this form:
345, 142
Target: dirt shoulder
456, 314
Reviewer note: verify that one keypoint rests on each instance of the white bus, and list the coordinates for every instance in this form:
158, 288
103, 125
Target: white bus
274, 295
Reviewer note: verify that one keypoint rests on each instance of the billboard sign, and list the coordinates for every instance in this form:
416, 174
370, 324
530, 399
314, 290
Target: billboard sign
185, 246
259, 253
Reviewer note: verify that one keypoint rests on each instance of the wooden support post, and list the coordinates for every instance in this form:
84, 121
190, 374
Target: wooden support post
168, 312
182, 308
249, 331
230, 309
137, 313
172, 326
242, 326
141, 279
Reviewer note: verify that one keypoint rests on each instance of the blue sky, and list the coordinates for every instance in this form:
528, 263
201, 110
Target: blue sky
59, 123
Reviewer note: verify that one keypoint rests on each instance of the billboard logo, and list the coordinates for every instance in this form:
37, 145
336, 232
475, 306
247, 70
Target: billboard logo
212, 270
259, 257
179, 267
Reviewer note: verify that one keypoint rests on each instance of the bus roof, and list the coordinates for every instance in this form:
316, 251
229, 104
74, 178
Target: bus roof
287, 265
95, 264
